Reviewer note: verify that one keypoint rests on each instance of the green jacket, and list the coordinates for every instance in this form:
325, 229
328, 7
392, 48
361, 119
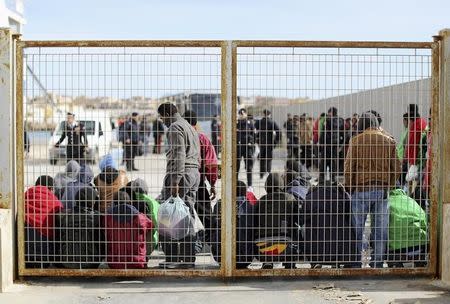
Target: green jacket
407, 222
402, 144
153, 207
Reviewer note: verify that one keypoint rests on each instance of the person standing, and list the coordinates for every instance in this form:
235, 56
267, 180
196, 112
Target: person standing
76, 139
209, 174
331, 142
305, 136
245, 144
158, 132
182, 179
215, 133
417, 126
145, 130
289, 127
132, 141
371, 169
268, 136
401, 146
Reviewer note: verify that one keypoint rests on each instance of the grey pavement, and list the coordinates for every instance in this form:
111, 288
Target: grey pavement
207, 290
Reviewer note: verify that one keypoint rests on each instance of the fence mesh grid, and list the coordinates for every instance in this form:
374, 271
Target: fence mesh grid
321, 182
332, 157
99, 157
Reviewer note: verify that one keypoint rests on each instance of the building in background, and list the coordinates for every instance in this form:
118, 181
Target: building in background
11, 15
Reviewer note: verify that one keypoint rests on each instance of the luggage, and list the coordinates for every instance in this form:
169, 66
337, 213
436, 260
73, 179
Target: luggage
126, 237
81, 239
329, 237
41, 206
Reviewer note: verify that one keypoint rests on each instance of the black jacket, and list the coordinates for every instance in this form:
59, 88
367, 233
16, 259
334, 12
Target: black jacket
268, 132
131, 131
245, 132
76, 135
276, 214
158, 128
334, 131
329, 235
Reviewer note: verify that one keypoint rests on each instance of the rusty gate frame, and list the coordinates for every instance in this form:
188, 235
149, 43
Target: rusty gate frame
228, 117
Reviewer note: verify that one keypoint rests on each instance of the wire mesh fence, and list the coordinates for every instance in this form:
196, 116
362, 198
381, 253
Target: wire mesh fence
107, 169
333, 157
123, 156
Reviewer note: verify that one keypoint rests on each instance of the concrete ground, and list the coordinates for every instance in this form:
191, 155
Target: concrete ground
207, 290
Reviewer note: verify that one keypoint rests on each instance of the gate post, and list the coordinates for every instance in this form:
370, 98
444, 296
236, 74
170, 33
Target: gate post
445, 153
7, 160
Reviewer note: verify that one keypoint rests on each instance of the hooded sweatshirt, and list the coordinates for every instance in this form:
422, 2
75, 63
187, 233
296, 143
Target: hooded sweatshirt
84, 179
64, 178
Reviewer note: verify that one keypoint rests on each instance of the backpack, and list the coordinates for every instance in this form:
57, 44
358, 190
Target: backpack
126, 237
152, 213
81, 239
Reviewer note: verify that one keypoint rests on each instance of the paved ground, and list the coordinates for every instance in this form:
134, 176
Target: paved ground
262, 290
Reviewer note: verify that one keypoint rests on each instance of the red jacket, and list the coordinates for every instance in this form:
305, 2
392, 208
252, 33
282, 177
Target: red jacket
316, 131
208, 167
40, 208
415, 132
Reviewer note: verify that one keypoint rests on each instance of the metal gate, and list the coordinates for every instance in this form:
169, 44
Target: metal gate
104, 82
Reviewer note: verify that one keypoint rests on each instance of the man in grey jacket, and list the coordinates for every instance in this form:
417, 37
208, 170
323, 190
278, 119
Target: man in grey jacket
182, 179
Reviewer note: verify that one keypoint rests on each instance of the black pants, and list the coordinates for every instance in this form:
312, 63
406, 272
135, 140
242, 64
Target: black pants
306, 155
329, 158
179, 251
246, 152
129, 154
203, 208
75, 152
265, 159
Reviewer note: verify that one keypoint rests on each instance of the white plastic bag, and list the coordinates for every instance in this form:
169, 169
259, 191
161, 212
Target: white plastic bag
413, 173
174, 219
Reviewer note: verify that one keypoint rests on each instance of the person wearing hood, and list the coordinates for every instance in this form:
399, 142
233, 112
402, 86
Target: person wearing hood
108, 183
371, 169
296, 179
276, 216
69, 175
182, 179
83, 179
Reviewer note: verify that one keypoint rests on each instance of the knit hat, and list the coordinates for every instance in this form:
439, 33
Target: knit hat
139, 186
107, 161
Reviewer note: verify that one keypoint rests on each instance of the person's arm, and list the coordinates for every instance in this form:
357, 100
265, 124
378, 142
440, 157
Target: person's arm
63, 136
277, 133
176, 157
83, 135
395, 166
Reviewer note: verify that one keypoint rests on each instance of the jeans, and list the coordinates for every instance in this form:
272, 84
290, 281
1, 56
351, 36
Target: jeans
374, 202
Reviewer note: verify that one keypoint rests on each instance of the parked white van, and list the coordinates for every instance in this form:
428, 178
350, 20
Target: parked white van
98, 132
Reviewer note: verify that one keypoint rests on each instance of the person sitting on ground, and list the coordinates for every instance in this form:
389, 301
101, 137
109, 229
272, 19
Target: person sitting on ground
62, 179
275, 223
296, 179
41, 206
109, 182
83, 179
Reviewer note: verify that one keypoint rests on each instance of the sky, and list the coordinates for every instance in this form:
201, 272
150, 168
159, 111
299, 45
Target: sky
233, 19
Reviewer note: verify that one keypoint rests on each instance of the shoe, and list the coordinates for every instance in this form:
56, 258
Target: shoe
267, 266
134, 169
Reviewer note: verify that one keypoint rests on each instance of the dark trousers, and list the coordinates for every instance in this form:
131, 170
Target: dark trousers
74, 152
306, 155
246, 152
129, 154
265, 159
203, 208
329, 158
178, 251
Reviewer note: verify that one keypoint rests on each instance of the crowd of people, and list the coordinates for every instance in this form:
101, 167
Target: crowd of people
80, 221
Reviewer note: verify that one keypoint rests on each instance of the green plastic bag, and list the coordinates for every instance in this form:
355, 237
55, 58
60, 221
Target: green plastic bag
153, 207
407, 221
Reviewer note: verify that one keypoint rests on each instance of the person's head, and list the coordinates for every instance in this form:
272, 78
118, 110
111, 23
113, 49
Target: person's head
266, 113
323, 115
85, 175
109, 175
413, 111
332, 112
355, 118
167, 112
289, 116
72, 168
241, 189
242, 113
46, 181
107, 161
135, 116
296, 118
274, 183
139, 186
70, 118
366, 121
87, 197
191, 117
377, 115
406, 120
